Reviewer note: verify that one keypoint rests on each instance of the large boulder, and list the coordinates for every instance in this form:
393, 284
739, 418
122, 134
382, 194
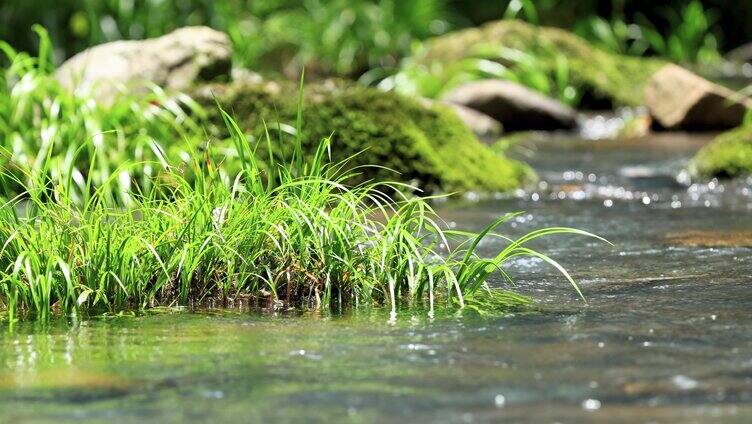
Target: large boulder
517, 108
409, 140
741, 54
605, 79
174, 61
679, 99
482, 125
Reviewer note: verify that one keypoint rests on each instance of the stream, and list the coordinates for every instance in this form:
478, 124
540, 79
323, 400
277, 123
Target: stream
665, 335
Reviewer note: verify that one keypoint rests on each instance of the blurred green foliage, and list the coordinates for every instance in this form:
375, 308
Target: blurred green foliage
349, 37
494, 62
691, 39
326, 36
729, 22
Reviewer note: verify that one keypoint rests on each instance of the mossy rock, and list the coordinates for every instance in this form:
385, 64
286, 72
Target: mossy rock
425, 145
729, 155
605, 78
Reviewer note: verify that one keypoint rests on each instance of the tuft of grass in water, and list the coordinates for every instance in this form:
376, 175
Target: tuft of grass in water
294, 233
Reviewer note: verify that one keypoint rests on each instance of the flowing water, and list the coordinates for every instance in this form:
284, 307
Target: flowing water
666, 335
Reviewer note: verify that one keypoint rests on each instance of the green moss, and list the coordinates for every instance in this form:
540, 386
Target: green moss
504, 144
603, 76
429, 146
728, 155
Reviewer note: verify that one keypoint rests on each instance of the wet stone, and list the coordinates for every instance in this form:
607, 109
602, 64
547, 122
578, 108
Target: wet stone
710, 238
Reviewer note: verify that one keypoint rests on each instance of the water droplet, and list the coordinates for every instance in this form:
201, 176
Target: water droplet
213, 394
591, 404
684, 383
500, 401
608, 203
646, 200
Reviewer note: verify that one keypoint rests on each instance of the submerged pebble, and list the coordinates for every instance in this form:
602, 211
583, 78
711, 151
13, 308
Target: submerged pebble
710, 238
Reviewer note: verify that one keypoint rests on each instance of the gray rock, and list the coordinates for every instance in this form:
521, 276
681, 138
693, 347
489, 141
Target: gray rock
679, 99
482, 125
174, 61
517, 108
741, 54
485, 127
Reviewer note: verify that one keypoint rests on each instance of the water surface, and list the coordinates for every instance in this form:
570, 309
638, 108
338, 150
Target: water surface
666, 335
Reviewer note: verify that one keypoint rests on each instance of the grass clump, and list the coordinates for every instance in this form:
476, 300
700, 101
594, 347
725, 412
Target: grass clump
101, 210
294, 232
728, 155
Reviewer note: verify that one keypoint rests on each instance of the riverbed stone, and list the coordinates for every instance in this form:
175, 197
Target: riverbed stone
485, 127
741, 54
711, 238
679, 99
174, 61
518, 108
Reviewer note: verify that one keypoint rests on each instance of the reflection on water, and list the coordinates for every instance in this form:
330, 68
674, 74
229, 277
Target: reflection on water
666, 334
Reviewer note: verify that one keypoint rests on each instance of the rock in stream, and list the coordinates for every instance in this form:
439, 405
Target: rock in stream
678, 99
174, 61
518, 108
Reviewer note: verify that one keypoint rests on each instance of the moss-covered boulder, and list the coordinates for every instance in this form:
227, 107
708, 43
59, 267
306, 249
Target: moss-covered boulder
425, 144
605, 78
728, 155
